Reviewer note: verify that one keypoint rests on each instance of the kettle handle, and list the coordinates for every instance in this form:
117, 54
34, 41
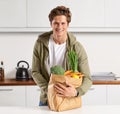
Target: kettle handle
23, 62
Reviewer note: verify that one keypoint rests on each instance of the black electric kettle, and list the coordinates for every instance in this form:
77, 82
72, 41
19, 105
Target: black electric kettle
22, 72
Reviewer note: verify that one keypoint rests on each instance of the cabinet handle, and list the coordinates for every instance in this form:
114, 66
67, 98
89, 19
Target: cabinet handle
38, 89
91, 89
6, 89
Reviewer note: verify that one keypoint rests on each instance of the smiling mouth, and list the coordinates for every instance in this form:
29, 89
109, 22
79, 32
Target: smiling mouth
59, 30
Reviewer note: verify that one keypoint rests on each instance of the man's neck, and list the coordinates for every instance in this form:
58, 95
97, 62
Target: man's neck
60, 40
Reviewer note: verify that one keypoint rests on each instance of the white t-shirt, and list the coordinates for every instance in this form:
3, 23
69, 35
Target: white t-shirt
56, 53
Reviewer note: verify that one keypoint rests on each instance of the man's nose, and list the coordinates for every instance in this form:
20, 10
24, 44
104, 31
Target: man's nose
59, 25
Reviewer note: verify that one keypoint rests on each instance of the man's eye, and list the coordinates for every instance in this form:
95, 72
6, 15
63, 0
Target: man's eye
56, 23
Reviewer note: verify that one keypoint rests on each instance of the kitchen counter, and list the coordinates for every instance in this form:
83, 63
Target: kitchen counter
106, 82
13, 82
99, 109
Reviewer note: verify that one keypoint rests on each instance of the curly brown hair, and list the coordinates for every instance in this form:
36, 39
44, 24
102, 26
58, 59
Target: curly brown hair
60, 10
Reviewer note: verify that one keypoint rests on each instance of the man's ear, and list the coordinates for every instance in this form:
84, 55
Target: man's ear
51, 24
68, 24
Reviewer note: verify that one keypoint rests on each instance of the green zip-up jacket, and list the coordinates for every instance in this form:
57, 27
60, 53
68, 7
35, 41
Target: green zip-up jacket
39, 68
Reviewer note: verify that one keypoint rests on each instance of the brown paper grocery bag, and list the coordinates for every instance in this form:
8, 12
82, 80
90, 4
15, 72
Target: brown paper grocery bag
57, 103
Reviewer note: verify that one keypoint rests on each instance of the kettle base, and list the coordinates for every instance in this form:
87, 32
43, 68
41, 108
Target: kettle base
22, 79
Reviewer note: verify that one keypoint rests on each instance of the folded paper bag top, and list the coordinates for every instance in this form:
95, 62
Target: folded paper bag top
63, 79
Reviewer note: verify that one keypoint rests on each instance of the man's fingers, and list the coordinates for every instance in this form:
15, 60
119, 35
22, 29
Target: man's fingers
68, 84
60, 85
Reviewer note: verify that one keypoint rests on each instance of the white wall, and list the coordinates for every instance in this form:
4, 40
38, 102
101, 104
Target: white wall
15, 47
102, 50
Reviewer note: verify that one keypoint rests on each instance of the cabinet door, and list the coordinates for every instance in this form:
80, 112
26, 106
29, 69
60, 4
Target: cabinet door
112, 15
12, 13
12, 96
32, 96
113, 94
38, 11
95, 96
86, 13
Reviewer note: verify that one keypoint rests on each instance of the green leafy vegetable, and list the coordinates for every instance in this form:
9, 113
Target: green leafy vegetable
73, 60
57, 70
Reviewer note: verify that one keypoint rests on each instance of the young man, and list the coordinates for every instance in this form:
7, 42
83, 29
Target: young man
51, 48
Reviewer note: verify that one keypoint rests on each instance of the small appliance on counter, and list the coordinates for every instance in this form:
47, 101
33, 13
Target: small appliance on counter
103, 76
1, 71
22, 72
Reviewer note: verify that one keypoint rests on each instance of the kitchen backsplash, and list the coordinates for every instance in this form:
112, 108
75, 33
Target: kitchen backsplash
102, 49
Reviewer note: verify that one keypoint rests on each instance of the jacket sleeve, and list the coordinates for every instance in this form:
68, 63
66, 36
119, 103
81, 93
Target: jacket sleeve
36, 74
83, 67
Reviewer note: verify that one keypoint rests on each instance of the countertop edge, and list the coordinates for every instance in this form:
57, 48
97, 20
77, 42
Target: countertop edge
14, 82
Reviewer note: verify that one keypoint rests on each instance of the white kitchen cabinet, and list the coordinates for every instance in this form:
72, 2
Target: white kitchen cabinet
113, 94
12, 13
112, 15
38, 11
85, 13
12, 95
96, 95
32, 15
29, 96
32, 96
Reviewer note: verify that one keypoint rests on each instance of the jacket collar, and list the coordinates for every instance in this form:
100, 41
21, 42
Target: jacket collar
71, 40
44, 38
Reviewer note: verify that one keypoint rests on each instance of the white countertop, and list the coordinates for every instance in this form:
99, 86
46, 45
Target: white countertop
103, 109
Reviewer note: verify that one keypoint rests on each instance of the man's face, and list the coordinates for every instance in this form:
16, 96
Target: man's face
59, 26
